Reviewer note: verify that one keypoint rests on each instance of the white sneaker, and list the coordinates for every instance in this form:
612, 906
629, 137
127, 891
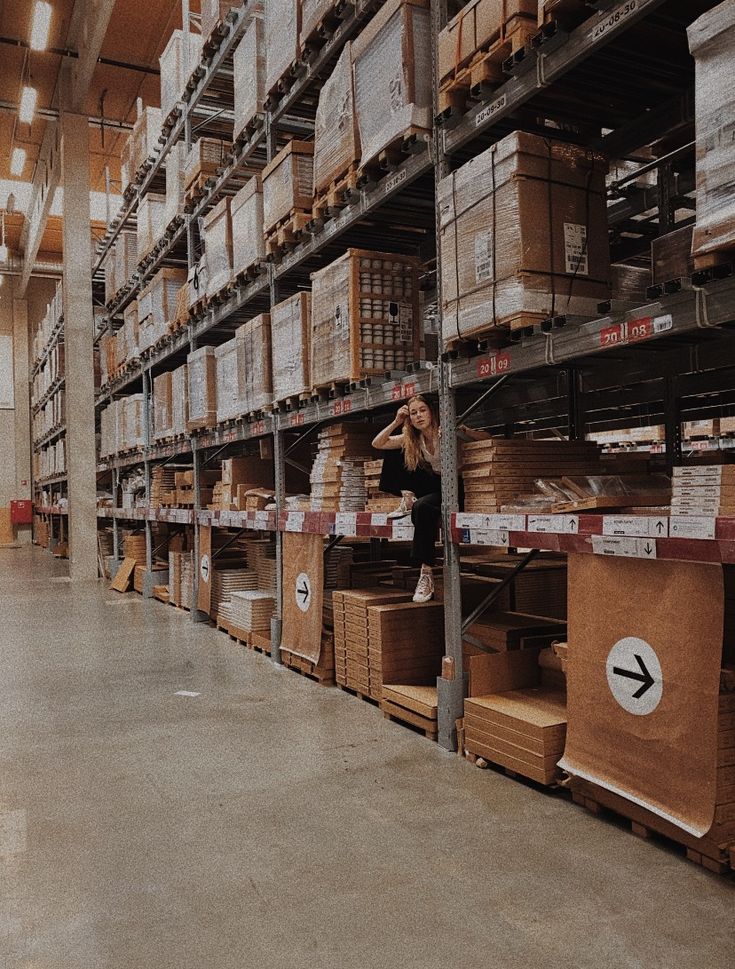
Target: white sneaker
425, 588
407, 500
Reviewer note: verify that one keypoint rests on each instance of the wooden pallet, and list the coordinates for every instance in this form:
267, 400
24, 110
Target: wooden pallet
391, 711
195, 190
319, 673
293, 402
703, 851
485, 72
714, 260
336, 196
410, 141
567, 14
324, 30
286, 234
360, 694
248, 131
247, 275
261, 643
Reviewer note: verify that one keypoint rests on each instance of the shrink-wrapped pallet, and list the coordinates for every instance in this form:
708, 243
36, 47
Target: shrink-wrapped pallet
128, 336
202, 365
180, 400
217, 225
336, 138
712, 43
151, 226
157, 305
215, 11
230, 382
177, 62
163, 406
111, 286
175, 183
127, 174
364, 316
205, 157
126, 257
288, 183
254, 356
523, 233
392, 65
282, 24
133, 422
196, 281
108, 362
248, 64
290, 336
146, 132
248, 242
313, 14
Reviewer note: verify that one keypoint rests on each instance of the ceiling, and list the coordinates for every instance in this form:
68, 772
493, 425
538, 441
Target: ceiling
136, 37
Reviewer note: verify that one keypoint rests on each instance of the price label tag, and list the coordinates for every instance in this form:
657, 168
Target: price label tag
378, 519
494, 365
258, 428
691, 527
296, 420
648, 326
636, 548
611, 336
489, 536
295, 521
261, 519
643, 525
342, 407
554, 524
490, 110
402, 532
345, 523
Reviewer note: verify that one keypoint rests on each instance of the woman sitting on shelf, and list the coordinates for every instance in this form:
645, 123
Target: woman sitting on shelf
416, 476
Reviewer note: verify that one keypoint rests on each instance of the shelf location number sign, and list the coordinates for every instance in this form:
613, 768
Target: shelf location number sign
303, 591
634, 676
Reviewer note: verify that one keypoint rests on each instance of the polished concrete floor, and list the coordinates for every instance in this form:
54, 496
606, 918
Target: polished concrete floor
269, 822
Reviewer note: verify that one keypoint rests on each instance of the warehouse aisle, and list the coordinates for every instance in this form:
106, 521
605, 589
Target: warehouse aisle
270, 822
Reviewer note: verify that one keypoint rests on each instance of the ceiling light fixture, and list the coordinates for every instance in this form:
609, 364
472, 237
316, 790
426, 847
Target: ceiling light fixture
27, 104
41, 25
17, 161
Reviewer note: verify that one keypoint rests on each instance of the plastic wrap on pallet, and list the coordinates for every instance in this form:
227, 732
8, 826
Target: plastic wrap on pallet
205, 157
336, 138
629, 283
523, 233
126, 164
157, 305
254, 362
196, 281
288, 183
248, 64
229, 382
126, 257
178, 60
202, 364
217, 225
392, 65
478, 26
111, 286
364, 316
291, 336
150, 227
712, 43
133, 424
180, 400
313, 14
146, 132
282, 25
175, 183
107, 357
163, 405
215, 11
128, 336
246, 210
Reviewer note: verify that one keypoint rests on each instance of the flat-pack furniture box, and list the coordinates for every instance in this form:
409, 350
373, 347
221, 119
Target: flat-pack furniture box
196, 281
126, 257
523, 235
175, 182
392, 66
254, 350
291, 337
248, 64
163, 406
248, 241
712, 44
202, 368
177, 62
336, 136
217, 225
146, 132
157, 305
180, 400
128, 336
364, 316
282, 25
230, 382
151, 213
671, 255
133, 422
111, 286
288, 183
247, 470
206, 156
482, 27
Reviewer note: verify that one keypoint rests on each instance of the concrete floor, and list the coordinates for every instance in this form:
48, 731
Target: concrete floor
273, 823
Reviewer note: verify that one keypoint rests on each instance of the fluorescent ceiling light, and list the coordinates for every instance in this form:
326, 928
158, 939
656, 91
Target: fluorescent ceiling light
17, 161
41, 24
27, 105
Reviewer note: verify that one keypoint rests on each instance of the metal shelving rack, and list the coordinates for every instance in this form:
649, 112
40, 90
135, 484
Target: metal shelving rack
657, 362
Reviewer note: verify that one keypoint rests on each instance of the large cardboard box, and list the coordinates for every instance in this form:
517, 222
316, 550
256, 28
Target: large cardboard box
175, 183
126, 257
150, 227
254, 356
230, 382
202, 372
177, 62
217, 226
282, 25
249, 76
163, 405
523, 234
288, 183
248, 241
671, 255
336, 136
477, 26
290, 336
146, 132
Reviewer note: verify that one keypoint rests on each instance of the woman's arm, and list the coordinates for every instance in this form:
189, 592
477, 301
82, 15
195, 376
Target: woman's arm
386, 440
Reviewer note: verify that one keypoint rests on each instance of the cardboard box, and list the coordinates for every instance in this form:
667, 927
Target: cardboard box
288, 183
671, 255
202, 372
177, 62
248, 64
217, 225
336, 135
282, 26
248, 241
291, 337
477, 27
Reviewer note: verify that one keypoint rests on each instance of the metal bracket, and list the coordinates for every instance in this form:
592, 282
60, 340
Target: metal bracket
490, 599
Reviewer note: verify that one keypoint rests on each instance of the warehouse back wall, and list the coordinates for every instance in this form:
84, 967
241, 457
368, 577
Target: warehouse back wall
15, 446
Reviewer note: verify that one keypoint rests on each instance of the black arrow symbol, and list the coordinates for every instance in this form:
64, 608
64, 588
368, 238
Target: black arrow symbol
644, 677
660, 527
303, 592
648, 548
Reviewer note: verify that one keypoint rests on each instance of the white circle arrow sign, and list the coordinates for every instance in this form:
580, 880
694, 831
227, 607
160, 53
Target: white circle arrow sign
634, 676
303, 591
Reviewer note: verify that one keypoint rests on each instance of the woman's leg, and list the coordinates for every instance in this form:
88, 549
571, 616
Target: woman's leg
425, 516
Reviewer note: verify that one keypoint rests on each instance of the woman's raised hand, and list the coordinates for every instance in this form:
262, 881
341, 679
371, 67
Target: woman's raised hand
402, 415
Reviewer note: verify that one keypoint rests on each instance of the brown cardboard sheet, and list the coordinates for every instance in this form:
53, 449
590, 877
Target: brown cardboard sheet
661, 752
303, 595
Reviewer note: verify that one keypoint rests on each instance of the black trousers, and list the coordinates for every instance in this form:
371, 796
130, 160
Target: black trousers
426, 514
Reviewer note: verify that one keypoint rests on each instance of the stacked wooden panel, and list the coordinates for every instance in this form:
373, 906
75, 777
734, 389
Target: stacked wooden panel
338, 472
225, 581
288, 193
163, 486
252, 611
704, 490
377, 501
497, 471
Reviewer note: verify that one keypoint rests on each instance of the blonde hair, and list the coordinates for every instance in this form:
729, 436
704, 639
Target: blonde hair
412, 455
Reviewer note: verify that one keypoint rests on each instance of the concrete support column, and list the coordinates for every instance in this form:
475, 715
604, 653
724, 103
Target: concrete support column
21, 366
81, 456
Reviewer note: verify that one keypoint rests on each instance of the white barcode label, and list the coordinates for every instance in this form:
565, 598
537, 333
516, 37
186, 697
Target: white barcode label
691, 527
491, 109
643, 525
554, 524
345, 523
575, 249
509, 523
402, 532
378, 519
489, 536
295, 521
484, 261
635, 548
261, 519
